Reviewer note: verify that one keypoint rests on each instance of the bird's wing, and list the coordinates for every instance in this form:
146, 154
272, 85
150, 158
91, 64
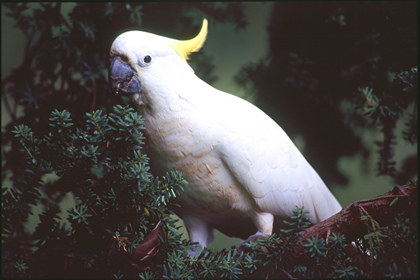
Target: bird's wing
260, 155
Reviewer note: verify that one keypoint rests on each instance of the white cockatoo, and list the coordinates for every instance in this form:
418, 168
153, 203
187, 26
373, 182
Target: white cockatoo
242, 168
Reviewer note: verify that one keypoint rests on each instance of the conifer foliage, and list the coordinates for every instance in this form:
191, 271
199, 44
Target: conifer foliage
120, 221
121, 224
103, 167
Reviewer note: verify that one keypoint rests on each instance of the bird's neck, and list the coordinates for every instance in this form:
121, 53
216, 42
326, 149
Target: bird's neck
169, 114
172, 97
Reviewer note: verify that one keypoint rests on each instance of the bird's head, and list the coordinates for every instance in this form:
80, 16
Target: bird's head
142, 61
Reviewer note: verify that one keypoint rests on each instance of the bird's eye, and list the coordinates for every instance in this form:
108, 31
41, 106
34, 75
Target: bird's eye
147, 59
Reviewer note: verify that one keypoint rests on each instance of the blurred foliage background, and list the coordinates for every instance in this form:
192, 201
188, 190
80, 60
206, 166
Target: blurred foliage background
339, 77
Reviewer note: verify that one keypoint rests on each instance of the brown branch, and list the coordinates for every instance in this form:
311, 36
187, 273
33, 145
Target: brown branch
12, 113
383, 209
348, 221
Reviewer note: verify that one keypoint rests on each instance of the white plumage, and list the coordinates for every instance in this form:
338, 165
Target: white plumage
241, 167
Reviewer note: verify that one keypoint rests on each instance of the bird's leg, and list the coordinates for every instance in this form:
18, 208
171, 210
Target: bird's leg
264, 223
199, 231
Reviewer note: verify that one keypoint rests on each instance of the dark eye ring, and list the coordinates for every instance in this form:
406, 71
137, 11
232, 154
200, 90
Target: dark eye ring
147, 59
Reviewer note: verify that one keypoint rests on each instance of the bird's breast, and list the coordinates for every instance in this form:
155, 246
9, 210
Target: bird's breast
178, 144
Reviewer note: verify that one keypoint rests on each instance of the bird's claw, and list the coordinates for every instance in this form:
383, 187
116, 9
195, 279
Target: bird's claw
197, 251
251, 238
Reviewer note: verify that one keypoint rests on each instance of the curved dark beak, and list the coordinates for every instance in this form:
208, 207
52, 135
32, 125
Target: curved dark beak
123, 78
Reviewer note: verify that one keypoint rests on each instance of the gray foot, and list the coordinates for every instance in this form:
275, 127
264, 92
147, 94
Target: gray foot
196, 251
251, 238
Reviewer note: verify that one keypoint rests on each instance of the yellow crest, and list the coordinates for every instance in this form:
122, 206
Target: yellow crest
185, 47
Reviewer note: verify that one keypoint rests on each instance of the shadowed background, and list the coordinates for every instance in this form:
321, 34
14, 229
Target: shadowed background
302, 63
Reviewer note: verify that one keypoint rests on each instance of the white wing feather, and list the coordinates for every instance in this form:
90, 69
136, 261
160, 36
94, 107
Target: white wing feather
266, 162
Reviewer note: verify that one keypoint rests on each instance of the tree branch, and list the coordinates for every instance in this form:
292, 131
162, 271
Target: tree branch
382, 209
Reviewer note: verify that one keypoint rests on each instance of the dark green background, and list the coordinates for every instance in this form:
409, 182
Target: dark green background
232, 49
